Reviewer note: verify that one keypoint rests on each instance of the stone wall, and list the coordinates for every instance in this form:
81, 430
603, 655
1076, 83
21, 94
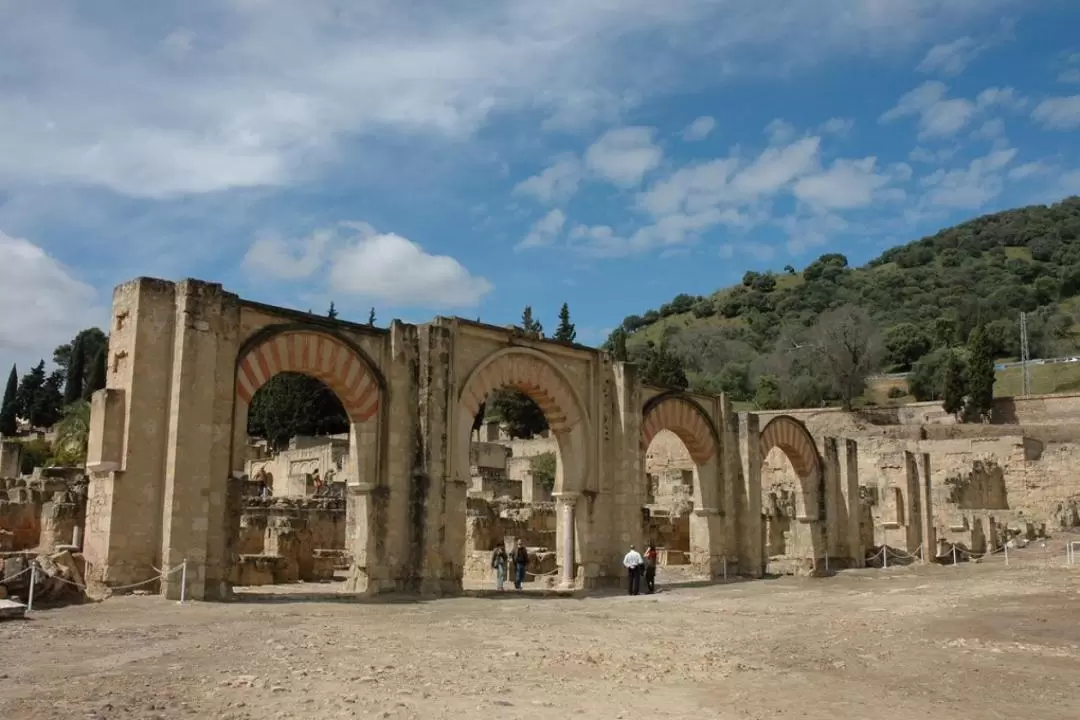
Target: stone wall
41, 511
288, 472
285, 540
505, 522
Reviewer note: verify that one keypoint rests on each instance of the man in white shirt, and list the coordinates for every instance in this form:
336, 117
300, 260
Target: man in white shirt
633, 561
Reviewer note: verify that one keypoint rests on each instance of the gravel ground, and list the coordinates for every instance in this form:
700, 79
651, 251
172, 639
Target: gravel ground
978, 641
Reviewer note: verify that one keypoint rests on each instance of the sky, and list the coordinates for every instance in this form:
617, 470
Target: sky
470, 158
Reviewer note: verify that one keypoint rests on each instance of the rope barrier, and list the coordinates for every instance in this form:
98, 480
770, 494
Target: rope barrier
16, 575
162, 575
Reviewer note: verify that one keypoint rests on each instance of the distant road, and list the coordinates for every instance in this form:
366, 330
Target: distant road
999, 366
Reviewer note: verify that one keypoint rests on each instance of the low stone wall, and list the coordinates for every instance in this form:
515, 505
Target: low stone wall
285, 540
41, 511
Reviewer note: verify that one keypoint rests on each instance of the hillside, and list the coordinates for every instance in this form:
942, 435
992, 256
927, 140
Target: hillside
921, 297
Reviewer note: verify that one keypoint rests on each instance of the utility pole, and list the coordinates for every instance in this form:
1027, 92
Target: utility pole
1025, 355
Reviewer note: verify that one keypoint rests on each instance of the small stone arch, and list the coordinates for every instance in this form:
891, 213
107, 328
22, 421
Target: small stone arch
791, 436
684, 417
343, 368
534, 374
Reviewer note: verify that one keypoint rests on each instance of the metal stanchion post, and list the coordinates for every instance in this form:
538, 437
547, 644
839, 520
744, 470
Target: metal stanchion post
183, 581
33, 581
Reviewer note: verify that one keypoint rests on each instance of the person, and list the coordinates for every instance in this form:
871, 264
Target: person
499, 561
632, 562
650, 569
521, 561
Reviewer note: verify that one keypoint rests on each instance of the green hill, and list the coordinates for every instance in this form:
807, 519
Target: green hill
920, 298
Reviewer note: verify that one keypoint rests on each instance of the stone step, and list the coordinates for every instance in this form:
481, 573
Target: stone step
11, 609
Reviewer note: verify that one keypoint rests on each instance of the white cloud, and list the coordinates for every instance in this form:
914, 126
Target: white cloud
693, 187
556, 183
938, 115
924, 155
845, 185
1029, 170
275, 257
952, 57
999, 96
990, 130
837, 126
361, 261
44, 304
776, 167
1059, 113
699, 129
972, 187
397, 271
252, 93
544, 231
779, 131
624, 155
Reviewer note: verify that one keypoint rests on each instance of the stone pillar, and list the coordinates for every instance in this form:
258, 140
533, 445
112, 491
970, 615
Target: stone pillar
366, 574
912, 505
926, 508
751, 548
849, 486
196, 525
128, 440
567, 502
835, 520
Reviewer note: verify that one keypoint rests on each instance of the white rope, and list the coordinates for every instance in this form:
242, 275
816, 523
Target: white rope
16, 575
553, 572
159, 576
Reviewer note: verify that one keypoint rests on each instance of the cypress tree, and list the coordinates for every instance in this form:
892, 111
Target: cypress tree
566, 331
371, 318
980, 384
332, 313
76, 369
618, 345
97, 378
8, 410
953, 386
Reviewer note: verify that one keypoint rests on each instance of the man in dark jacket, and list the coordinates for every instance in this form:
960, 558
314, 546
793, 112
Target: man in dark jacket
521, 561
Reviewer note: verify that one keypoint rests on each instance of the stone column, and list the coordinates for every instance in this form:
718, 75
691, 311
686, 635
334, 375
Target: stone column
752, 559
567, 502
926, 508
849, 485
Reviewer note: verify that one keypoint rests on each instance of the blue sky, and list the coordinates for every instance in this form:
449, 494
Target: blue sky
472, 157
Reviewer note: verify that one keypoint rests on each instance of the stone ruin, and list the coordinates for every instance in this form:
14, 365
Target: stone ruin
42, 516
290, 539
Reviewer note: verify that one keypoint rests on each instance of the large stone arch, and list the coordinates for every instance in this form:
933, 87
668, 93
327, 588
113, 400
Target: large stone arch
536, 375
683, 416
791, 436
361, 388
796, 442
342, 366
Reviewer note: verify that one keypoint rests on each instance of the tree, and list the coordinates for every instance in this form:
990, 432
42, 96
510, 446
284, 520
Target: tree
849, 347
73, 383
9, 409
72, 434
98, 375
618, 345
371, 318
565, 332
980, 384
906, 343
531, 326
92, 340
30, 389
332, 313
954, 384
660, 367
544, 466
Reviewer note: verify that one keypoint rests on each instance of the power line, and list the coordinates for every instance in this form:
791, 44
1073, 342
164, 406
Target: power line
1025, 355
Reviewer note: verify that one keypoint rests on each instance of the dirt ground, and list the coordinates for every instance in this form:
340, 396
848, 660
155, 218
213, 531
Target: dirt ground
975, 641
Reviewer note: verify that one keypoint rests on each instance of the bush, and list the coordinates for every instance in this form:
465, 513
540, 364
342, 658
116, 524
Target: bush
896, 392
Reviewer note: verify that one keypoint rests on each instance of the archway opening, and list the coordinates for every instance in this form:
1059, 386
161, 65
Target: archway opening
681, 493
792, 494
304, 429
514, 467
292, 524
671, 479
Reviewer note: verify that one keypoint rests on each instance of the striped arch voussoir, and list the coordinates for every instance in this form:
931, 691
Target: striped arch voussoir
320, 356
534, 378
794, 439
685, 420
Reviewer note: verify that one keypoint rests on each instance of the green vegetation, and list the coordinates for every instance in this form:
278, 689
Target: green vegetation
543, 466
810, 338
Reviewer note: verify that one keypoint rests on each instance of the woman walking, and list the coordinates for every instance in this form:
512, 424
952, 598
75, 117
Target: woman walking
499, 561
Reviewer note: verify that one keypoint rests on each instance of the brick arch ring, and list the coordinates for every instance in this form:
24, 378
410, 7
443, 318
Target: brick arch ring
534, 374
791, 436
334, 361
684, 417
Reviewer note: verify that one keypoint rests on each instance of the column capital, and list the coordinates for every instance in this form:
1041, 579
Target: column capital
567, 496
